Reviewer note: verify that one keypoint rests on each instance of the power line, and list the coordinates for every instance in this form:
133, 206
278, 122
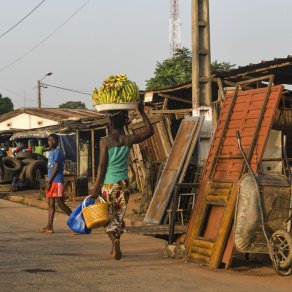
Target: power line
67, 89
18, 94
21, 96
46, 38
11, 91
21, 20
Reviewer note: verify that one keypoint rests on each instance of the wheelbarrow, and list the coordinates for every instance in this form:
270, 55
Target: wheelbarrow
263, 216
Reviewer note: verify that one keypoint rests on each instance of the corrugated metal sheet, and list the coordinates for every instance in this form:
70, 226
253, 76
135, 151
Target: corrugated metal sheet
53, 113
261, 65
65, 128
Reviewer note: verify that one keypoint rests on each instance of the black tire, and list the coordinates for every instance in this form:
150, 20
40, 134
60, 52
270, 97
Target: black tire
11, 164
27, 161
281, 242
41, 157
26, 154
8, 176
22, 175
35, 172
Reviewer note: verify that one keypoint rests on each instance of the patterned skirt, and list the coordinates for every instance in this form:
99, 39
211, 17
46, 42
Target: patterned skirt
117, 195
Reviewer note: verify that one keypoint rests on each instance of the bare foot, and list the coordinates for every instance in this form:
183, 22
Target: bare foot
46, 230
117, 249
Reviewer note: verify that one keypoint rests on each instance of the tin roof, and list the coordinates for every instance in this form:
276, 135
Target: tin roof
67, 128
54, 114
281, 67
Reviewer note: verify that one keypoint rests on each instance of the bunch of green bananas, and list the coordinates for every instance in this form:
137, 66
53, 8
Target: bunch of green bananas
116, 89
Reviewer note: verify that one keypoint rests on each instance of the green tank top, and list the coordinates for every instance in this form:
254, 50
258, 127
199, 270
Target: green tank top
118, 160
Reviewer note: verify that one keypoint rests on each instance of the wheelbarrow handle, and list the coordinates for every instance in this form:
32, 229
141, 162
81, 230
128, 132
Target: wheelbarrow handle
238, 135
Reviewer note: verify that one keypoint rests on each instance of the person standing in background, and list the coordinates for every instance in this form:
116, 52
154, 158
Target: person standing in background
55, 183
2, 154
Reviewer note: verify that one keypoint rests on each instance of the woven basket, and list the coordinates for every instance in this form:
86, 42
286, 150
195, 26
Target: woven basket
95, 215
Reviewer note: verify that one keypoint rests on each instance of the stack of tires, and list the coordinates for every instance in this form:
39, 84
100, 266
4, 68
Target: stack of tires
27, 167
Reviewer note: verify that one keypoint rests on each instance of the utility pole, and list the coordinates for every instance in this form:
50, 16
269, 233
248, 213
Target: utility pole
39, 85
39, 93
201, 57
174, 28
201, 75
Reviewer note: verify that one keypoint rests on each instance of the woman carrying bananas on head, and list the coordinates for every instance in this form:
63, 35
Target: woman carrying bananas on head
112, 174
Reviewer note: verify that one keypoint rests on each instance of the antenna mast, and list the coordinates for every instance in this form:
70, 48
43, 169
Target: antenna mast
174, 28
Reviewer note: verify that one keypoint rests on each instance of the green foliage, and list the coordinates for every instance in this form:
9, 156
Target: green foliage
6, 105
172, 71
223, 66
73, 105
178, 70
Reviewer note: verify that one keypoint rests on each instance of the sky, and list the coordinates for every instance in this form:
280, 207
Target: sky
124, 36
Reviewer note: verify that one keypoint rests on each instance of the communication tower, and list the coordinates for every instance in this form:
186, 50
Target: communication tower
174, 28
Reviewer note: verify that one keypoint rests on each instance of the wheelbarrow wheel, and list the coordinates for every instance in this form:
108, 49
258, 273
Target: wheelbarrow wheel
284, 272
281, 242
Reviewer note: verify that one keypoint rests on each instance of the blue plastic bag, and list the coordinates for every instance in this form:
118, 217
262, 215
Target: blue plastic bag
76, 221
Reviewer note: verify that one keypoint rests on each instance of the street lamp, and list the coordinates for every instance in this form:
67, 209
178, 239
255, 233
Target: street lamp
39, 89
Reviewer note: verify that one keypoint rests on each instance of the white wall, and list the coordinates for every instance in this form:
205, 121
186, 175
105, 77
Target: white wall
26, 121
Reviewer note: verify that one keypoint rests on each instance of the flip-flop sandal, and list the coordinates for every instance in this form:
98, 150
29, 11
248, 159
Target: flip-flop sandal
46, 230
118, 253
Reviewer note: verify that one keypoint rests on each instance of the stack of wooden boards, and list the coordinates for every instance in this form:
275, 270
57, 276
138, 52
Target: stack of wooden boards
175, 168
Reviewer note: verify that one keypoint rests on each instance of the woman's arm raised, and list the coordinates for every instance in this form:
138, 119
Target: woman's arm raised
135, 139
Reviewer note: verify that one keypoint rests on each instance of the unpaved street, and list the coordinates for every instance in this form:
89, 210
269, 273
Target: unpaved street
61, 262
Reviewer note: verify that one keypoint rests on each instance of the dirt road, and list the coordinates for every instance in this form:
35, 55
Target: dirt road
31, 261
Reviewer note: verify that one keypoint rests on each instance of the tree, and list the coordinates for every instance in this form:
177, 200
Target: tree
6, 105
172, 71
223, 66
73, 105
178, 70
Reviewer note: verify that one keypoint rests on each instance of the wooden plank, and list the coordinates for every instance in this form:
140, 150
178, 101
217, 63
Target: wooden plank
203, 244
158, 147
190, 153
167, 125
136, 162
200, 258
171, 172
227, 255
203, 251
170, 111
186, 163
175, 98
